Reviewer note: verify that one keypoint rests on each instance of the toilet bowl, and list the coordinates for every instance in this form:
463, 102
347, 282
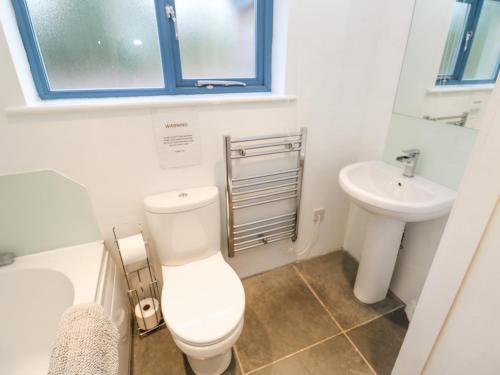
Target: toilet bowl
211, 359
202, 299
203, 303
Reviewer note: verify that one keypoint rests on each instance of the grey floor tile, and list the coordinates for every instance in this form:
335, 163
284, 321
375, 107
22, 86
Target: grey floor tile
157, 354
380, 340
332, 277
333, 357
281, 317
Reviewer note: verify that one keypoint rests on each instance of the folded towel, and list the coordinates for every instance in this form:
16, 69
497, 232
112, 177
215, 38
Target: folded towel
86, 343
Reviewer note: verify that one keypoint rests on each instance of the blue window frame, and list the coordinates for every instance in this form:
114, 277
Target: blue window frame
473, 39
172, 81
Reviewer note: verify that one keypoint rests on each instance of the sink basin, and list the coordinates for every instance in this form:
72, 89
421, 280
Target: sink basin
391, 200
382, 189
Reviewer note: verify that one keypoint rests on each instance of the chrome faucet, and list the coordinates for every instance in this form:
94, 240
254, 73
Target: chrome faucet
6, 259
410, 161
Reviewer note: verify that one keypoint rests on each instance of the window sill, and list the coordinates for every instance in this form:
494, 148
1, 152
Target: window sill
460, 88
144, 103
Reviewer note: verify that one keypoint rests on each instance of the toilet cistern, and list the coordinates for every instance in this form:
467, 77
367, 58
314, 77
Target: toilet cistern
202, 299
410, 161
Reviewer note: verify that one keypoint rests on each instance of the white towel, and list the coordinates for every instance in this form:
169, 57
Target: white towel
86, 343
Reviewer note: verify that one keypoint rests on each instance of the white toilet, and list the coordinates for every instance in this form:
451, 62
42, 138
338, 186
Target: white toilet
203, 300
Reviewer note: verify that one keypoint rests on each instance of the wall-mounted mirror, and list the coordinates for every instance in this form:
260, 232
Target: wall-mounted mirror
452, 61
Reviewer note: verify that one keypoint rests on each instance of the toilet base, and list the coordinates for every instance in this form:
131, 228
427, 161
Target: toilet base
210, 366
213, 359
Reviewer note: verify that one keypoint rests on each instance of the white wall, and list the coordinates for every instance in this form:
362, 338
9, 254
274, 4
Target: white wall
345, 54
470, 335
339, 58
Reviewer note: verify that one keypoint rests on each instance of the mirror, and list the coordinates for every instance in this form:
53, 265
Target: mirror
452, 61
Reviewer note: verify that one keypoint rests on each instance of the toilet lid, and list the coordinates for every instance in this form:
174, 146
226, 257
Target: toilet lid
203, 302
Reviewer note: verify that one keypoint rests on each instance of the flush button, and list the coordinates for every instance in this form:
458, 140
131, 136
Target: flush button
182, 195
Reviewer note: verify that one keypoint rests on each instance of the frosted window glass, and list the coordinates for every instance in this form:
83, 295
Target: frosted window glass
455, 36
216, 38
98, 44
485, 53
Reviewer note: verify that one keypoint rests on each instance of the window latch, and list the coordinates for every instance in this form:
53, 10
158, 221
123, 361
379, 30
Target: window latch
210, 84
170, 11
468, 37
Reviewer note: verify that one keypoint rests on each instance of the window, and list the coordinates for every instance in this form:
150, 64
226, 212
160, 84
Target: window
96, 48
472, 51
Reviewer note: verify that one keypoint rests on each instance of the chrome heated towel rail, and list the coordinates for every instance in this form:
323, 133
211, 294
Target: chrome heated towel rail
458, 120
263, 189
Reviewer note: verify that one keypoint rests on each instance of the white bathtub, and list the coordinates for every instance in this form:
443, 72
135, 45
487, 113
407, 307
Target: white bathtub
34, 292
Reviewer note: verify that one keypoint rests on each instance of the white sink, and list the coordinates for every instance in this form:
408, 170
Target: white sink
391, 200
382, 189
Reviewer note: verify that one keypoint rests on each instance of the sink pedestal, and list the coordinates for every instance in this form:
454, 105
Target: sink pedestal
391, 200
378, 258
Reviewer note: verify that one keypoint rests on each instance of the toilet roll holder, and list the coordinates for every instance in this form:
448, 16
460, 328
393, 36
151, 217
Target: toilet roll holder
141, 284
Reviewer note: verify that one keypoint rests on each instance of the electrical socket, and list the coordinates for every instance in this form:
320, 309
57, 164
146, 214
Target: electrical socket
318, 214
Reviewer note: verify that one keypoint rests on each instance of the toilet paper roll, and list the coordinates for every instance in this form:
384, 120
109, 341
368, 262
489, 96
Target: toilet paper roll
147, 313
133, 251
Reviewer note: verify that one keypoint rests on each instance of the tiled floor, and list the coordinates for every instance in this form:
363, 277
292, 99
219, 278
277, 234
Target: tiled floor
299, 319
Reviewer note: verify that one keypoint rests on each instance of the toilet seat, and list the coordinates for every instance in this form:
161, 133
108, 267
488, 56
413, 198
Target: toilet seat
203, 302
